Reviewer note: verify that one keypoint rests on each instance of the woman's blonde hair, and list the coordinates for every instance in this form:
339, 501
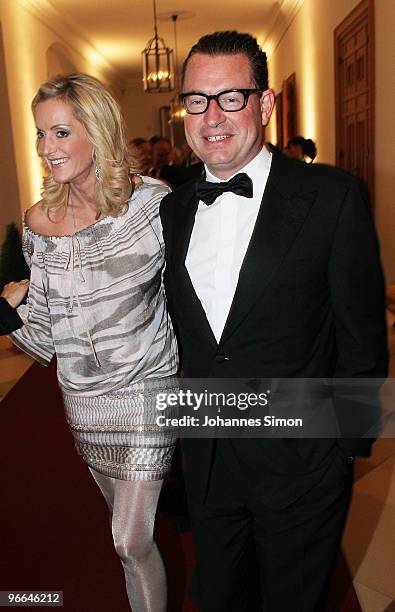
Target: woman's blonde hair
99, 113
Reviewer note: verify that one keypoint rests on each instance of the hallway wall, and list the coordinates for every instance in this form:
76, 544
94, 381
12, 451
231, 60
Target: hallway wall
27, 37
9, 194
385, 133
141, 110
307, 49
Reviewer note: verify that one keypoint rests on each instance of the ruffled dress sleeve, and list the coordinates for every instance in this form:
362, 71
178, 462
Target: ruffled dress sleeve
150, 206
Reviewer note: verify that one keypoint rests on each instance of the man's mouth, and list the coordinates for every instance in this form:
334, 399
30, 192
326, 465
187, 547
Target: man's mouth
217, 138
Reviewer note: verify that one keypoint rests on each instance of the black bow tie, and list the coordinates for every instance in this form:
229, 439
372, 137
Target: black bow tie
241, 184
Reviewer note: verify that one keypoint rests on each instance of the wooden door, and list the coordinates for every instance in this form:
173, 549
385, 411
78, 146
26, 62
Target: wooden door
354, 79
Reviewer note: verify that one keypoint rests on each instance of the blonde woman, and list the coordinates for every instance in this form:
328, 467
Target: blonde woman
94, 243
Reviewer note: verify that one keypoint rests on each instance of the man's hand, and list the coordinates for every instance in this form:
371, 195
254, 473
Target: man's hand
14, 292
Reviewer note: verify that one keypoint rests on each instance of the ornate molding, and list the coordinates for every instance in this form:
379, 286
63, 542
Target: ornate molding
282, 19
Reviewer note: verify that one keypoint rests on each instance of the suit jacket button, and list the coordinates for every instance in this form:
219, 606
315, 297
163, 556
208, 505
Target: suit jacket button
221, 358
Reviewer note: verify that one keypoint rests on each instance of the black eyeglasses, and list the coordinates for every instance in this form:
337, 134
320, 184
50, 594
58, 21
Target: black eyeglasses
230, 100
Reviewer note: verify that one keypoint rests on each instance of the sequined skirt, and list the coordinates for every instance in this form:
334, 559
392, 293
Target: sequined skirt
117, 434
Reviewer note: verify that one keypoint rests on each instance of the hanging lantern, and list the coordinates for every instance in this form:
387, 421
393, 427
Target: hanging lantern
158, 69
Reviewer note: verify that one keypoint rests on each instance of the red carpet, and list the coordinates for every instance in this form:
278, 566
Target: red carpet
53, 520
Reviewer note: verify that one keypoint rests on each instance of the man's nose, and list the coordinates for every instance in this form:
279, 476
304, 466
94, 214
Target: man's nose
214, 115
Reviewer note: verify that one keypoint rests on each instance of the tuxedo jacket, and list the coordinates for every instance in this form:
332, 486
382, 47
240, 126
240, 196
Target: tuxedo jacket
309, 303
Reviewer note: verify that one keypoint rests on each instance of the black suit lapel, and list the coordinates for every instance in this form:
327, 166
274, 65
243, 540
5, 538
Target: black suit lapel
184, 223
184, 289
280, 218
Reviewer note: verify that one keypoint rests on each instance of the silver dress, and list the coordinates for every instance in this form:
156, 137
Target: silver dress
96, 299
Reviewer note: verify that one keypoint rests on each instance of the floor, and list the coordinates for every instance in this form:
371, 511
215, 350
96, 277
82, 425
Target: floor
369, 539
13, 364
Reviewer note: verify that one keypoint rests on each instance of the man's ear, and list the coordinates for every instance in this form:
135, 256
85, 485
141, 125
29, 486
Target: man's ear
267, 105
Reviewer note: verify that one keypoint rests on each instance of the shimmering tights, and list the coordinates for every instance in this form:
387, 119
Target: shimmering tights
132, 506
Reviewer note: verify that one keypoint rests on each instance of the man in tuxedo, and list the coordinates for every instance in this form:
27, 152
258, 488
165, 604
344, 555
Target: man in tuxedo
271, 274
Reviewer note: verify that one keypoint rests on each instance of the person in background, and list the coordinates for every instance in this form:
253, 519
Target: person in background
144, 155
175, 173
191, 165
272, 272
11, 296
162, 154
301, 148
95, 248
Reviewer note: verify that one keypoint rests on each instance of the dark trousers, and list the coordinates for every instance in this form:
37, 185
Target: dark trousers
248, 553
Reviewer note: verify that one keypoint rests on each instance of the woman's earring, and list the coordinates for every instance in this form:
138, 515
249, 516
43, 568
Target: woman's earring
98, 173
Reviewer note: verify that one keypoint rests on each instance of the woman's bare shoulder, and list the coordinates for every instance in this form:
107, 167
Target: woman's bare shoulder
37, 219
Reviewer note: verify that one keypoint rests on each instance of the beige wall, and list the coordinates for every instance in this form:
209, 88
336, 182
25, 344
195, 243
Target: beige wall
141, 110
385, 133
307, 50
9, 192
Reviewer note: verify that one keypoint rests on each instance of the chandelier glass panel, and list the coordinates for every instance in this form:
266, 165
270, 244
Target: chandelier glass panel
158, 63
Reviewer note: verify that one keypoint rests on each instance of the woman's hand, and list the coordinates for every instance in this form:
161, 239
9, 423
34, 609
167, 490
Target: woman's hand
14, 292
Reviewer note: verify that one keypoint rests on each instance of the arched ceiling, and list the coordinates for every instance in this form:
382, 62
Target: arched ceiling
120, 29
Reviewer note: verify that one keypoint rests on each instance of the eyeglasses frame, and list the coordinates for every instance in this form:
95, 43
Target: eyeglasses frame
246, 92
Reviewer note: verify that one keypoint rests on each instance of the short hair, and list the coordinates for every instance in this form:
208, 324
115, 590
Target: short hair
231, 42
154, 139
136, 142
307, 145
97, 110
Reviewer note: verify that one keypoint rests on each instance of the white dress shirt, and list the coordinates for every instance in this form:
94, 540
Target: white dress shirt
219, 241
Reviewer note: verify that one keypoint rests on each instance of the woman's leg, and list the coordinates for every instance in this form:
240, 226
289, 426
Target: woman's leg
132, 506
